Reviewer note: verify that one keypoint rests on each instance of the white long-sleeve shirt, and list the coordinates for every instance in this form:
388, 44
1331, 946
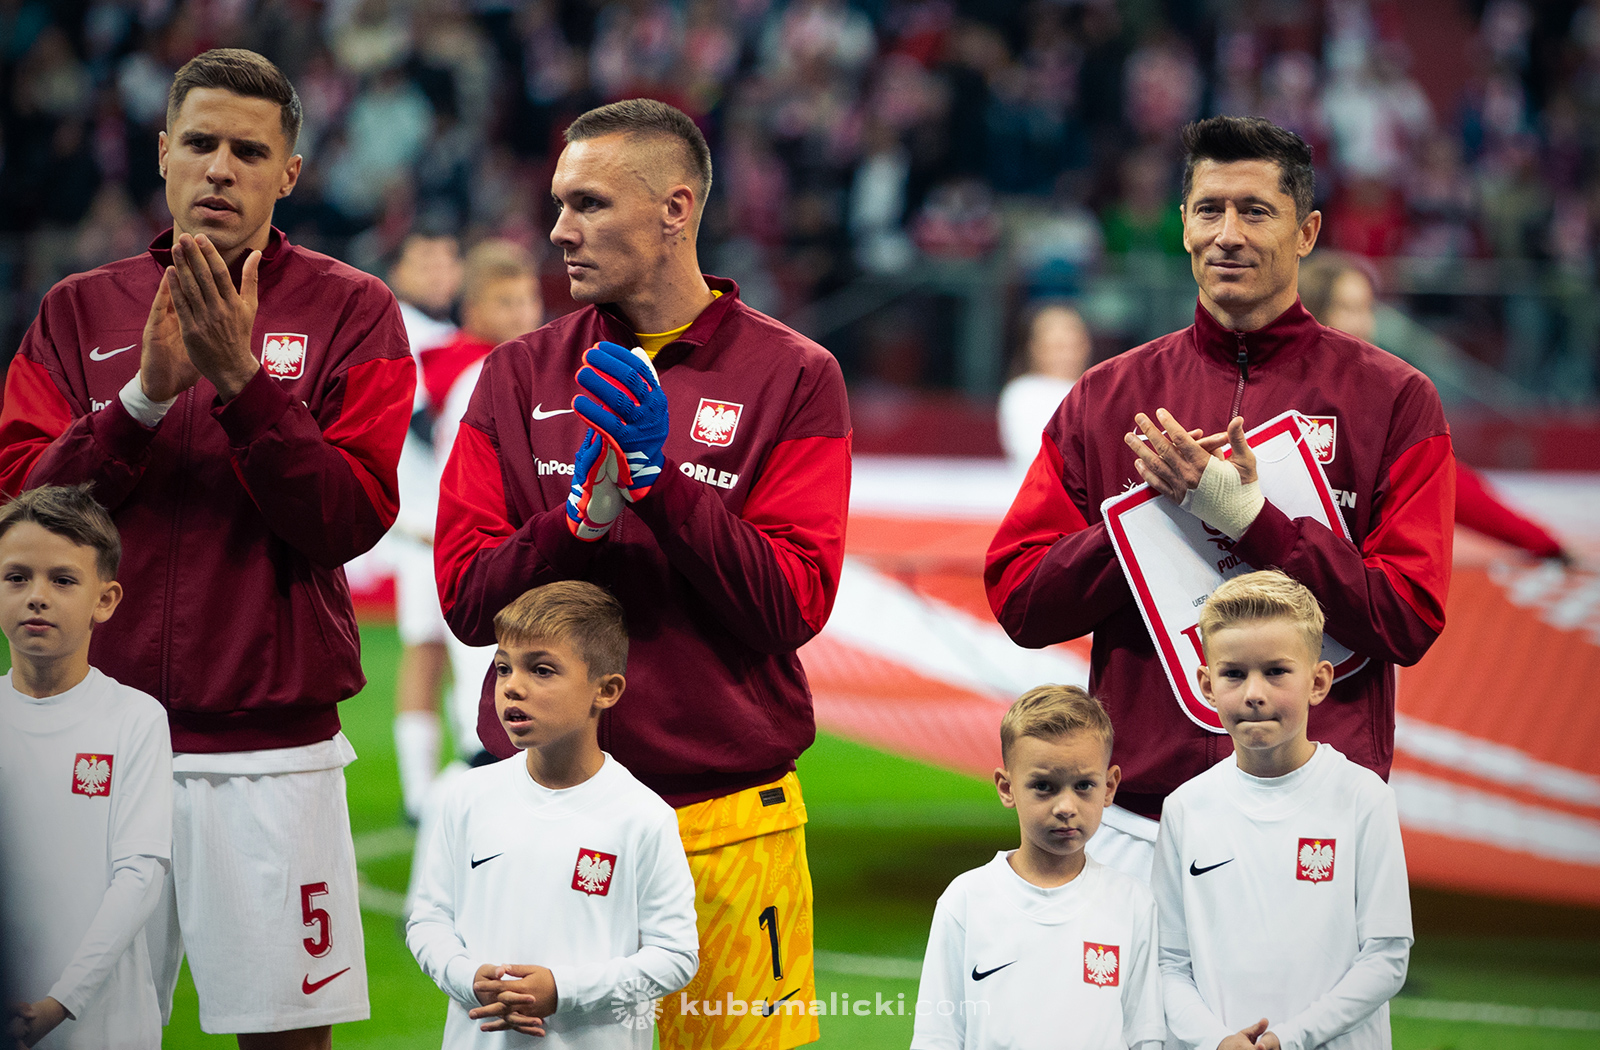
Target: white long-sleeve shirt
1011, 964
85, 843
590, 881
1283, 898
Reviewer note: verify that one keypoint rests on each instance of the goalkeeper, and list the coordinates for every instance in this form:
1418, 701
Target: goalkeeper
704, 482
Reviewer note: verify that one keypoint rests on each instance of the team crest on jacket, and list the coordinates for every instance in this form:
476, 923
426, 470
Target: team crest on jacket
91, 775
283, 354
592, 874
1314, 862
1100, 965
1322, 434
715, 422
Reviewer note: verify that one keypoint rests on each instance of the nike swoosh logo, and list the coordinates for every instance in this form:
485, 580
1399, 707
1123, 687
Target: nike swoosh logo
1201, 871
487, 859
771, 1008
976, 976
96, 355
540, 413
307, 987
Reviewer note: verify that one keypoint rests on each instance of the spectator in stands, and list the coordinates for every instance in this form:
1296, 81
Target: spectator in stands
1339, 291
1058, 352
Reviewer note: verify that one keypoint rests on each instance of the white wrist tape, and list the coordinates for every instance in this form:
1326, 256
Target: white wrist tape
1223, 501
139, 405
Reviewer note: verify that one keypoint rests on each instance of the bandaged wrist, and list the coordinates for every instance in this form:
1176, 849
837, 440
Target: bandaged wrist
1223, 501
149, 413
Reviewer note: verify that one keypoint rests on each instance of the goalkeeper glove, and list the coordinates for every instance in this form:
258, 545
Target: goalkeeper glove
626, 404
594, 501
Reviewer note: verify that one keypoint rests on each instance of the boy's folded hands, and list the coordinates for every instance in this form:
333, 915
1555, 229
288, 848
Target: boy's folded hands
514, 997
1256, 1037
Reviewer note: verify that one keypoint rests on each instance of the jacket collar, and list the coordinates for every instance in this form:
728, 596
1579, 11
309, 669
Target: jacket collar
161, 251
1293, 328
697, 334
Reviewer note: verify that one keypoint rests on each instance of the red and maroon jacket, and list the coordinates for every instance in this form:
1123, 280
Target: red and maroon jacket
728, 566
1052, 575
235, 518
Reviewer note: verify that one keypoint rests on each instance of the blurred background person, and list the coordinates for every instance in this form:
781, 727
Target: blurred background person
425, 277
499, 301
1340, 291
1058, 352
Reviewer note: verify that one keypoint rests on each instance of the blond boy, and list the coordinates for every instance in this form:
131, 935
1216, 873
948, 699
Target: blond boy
1279, 872
555, 898
1044, 946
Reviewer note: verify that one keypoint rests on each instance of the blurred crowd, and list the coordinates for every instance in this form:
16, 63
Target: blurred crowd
851, 137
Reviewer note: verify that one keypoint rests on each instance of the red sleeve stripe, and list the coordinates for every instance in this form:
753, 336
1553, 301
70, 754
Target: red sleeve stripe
1407, 542
34, 415
800, 504
1040, 515
371, 427
472, 510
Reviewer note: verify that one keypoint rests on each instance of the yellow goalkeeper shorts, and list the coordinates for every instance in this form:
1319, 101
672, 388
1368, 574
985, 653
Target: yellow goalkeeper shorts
747, 853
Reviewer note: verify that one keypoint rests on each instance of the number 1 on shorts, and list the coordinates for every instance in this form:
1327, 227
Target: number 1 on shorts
769, 922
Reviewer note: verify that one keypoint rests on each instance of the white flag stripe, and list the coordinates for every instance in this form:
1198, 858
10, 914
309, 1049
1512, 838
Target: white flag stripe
886, 618
1442, 808
1450, 747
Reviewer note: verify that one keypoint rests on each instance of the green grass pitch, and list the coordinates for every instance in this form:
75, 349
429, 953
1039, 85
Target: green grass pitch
885, 836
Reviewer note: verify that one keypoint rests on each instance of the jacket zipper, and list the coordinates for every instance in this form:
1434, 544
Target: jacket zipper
1244, 375
173, 546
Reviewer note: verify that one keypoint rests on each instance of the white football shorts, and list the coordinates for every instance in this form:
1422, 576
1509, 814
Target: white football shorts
416, 593
264, 872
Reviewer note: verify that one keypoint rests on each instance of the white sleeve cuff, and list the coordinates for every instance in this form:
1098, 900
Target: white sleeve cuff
1223, 501
149, 413
459, 974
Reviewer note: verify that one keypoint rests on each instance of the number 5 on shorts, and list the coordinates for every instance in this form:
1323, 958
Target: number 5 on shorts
309, 916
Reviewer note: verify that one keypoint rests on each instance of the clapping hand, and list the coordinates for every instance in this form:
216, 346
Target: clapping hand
215, 318
1172, 459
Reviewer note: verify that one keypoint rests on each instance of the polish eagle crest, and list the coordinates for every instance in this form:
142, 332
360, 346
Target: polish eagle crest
715, 422
1321, 432
283, 354
91, 775
593, 872
1100, 963
1316, 860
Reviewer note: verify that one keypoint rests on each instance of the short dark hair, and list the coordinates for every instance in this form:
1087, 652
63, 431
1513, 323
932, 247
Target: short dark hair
587, 617
646, 116
243, 73
1226, 139
69, 511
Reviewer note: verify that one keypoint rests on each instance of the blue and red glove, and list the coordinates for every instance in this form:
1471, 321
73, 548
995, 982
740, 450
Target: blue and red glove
594, 500
629, 409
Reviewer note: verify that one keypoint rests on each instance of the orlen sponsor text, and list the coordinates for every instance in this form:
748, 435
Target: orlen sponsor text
702, 473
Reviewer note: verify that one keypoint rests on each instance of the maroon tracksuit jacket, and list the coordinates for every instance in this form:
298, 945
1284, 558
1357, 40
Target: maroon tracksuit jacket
728, 566
235, 518
1052, 574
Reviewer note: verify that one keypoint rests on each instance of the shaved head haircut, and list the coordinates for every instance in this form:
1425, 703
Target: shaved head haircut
645, 119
